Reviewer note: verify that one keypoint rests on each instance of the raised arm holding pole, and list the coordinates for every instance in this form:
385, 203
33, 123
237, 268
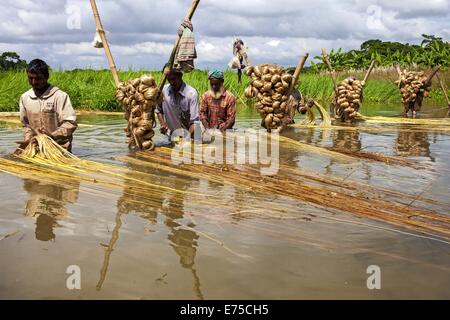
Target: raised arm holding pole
169, 65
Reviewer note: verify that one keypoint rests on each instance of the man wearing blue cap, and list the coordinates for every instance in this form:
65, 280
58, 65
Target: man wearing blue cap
218, 105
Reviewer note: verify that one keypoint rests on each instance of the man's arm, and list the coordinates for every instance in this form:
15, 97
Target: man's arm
204, 112
193, 110
67, 118
162, 122
27, 131
231, 114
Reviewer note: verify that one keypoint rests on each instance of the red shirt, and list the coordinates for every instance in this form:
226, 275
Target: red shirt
217, 111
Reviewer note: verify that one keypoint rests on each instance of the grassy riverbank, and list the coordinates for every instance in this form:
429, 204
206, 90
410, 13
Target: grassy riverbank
94, 90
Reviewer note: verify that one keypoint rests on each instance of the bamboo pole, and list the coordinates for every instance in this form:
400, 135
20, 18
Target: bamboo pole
332, 74
399, 72
443, 88
369, 71
169, 65
431, 75
102, 34
297, 72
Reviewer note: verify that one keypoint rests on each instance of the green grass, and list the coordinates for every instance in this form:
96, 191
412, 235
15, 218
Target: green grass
94, 90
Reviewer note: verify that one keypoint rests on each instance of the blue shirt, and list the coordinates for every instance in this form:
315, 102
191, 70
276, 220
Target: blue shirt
179, 106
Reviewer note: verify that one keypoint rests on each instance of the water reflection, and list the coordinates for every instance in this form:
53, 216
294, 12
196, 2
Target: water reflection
182, 238
413, 144
47, 203
347, 140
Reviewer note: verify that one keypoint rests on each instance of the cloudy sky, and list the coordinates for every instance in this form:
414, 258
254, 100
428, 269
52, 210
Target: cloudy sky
142, 33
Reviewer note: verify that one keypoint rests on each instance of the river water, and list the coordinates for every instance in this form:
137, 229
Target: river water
196, 247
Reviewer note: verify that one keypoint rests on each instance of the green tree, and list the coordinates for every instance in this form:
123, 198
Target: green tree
11, 61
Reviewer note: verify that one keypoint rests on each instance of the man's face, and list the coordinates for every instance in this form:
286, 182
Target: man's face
216, 84
175, 82
37, 81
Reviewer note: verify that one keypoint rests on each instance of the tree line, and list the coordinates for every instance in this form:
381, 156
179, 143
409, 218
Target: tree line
432, 51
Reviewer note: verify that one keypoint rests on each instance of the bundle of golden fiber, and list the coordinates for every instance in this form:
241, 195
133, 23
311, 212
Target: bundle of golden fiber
42, 147
270, 86
413, 85
349, 98
139, 98
311, 118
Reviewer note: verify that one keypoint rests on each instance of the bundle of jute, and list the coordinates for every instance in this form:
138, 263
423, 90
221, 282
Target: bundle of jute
412, 84
42, 147
306, 108
349, 98
139, 98
270, 86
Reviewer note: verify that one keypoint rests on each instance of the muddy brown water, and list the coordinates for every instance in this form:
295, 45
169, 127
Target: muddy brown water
133, 248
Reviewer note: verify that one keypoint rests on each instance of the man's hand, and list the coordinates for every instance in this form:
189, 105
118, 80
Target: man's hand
23, 144
205, 124
45, 131
164, 128
223, 127
18, 152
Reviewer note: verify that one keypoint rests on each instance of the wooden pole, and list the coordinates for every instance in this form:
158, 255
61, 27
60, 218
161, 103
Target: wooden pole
443, 88
332, 74
102, 34
369, 71
297, 72
399, 72
169, 66
430, 77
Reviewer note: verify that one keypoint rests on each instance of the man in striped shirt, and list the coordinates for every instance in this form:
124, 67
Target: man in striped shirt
218, 105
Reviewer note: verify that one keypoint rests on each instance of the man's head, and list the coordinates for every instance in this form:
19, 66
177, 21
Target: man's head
37, 71
175, 79
216, 80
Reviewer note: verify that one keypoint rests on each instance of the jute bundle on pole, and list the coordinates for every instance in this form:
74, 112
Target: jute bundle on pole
140, 97
272, 87
414, 86
350, 95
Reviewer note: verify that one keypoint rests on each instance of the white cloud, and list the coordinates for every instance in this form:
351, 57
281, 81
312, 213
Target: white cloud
274, 43
142, 33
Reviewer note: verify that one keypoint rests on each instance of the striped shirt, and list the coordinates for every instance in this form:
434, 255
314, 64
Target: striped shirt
214, 112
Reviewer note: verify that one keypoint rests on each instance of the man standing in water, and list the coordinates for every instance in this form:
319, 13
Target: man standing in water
179, 109
218, 105
240, 54
45, 109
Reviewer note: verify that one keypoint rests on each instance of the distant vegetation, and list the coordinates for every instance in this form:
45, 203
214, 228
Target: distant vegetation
432, 51
94, 89
11, 61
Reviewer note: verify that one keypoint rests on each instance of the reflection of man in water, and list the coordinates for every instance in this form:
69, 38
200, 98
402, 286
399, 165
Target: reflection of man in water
47, 203
183, 239
413, 144
347, 140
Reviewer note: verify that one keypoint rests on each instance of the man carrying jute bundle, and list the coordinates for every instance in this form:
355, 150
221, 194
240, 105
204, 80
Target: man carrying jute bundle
239, 55
45, 109
218, 105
